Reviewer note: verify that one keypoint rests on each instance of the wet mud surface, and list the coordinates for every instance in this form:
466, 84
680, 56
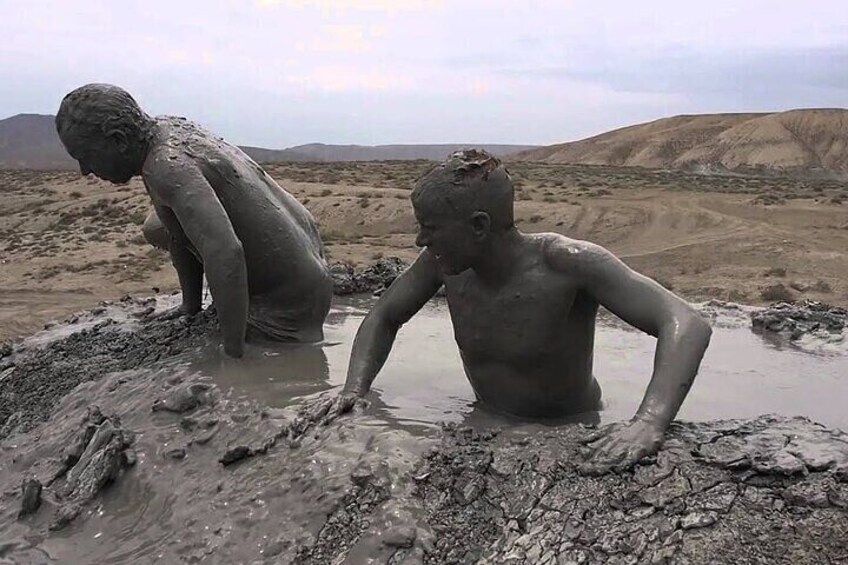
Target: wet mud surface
117, 450
34, 379
115, 337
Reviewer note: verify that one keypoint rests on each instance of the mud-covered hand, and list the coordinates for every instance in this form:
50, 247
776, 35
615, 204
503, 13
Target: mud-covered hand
172, 314
619, 446
342, 404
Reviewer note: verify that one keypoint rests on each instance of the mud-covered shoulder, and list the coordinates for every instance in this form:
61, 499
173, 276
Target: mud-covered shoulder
563, 254
173, 157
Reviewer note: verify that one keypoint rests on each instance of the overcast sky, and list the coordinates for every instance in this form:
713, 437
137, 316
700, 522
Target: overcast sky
277, 73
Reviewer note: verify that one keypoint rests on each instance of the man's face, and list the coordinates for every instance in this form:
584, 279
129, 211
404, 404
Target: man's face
447, 236
100, 155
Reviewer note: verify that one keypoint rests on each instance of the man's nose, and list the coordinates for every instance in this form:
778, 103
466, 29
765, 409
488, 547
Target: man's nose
421, 241
84, 170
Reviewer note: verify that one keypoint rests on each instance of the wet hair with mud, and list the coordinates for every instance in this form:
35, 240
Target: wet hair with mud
101, 109
469, 181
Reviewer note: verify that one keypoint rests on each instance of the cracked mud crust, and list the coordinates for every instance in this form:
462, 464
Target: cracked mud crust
769, 490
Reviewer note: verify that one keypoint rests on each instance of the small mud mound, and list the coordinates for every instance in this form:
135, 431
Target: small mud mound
36, 378
797, 319
374, 278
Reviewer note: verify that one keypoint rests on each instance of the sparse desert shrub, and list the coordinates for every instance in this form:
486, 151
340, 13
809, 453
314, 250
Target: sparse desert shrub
737, 296
821, 286
138, 218
775, 272
535, 219
326, 192
329, 235
768, 200
776, 293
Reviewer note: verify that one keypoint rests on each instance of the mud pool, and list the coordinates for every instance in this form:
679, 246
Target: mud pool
389, 486
743, 374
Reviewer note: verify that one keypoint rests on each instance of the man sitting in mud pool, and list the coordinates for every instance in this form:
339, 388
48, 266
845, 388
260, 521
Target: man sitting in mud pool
216, 210
523, 308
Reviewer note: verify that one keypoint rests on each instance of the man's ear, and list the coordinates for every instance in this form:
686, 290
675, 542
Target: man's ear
481, 223
120, 140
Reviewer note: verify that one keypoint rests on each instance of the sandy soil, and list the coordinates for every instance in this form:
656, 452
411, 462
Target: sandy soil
69, 242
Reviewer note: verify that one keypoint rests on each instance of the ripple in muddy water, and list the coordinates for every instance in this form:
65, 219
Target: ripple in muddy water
178, 504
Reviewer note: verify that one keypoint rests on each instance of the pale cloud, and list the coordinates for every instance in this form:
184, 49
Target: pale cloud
343, 6
341, 79
282, 72
339, 38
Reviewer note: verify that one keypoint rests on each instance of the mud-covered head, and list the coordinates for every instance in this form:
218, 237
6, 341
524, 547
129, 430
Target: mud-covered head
104, 128
461, 205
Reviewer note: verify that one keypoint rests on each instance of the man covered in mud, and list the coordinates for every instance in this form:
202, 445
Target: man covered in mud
217, 212
523, 308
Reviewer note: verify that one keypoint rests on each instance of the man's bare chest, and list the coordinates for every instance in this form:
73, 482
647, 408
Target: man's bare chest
516, 321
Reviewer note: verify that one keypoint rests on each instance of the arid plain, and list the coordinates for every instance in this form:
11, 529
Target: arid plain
68, 242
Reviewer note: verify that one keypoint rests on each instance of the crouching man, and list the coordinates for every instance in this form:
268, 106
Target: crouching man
217, 211
523, 309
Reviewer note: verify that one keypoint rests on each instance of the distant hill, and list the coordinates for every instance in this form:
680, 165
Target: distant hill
29, 141
813, 140
323, 152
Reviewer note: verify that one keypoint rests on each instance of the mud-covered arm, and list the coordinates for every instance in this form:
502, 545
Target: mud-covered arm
682, 334
189, 268
183, 189
682, 337
376, 335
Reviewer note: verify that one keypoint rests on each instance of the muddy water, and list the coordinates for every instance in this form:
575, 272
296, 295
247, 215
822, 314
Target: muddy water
189, 508
742, 375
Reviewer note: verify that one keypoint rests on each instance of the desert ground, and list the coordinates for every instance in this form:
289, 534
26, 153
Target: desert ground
68, 242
